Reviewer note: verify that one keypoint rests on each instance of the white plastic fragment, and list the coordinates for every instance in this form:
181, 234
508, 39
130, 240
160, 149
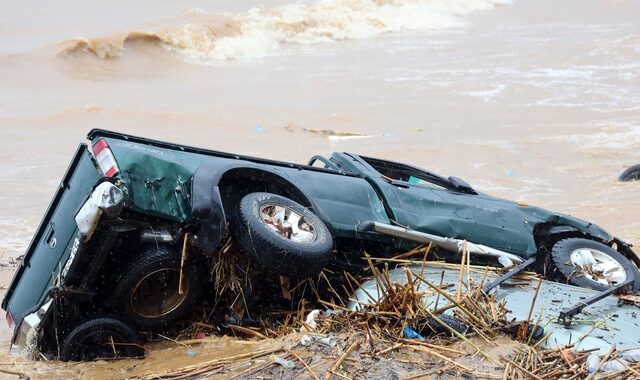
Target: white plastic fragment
631, 355
283, 362
328, 341
310, 323
592, 362
614, 365
308, 340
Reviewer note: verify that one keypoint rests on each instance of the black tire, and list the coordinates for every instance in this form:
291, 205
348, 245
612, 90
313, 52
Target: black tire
271, 250
101, 338
631, 174
147, 293
535, 332
432, 327
563, 270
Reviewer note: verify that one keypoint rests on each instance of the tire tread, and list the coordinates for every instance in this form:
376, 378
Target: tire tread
272, 253
562, 271
69, 343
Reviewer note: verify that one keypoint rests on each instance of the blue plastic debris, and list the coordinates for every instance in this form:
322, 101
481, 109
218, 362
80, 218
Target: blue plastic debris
260, 128
410, 334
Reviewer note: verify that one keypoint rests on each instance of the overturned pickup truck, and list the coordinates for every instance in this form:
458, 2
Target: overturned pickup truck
121, 248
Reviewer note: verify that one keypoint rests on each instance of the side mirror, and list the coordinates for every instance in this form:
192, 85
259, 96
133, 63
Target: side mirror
462, 185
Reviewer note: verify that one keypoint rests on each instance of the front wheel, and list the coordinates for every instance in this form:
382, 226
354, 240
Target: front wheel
281, 235
590, 264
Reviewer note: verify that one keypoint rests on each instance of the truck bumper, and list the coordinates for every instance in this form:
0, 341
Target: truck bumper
25, 342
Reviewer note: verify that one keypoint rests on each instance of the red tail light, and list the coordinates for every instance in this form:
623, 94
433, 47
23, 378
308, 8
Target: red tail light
10, 320
106, 160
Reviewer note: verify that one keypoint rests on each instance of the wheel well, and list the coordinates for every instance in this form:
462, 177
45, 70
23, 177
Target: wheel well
236, 183
546, 235
546, 239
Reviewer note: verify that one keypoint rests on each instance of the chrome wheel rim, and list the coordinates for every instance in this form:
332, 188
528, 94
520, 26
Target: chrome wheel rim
157, 295
598, 266
287, 223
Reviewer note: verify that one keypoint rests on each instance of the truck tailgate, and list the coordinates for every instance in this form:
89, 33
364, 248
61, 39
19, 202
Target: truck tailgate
51, 243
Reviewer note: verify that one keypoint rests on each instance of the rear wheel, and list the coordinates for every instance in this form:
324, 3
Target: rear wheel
101, 338
281, 235
149, 293
590, 264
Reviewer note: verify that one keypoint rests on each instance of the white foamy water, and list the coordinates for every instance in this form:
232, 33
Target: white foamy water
261, 32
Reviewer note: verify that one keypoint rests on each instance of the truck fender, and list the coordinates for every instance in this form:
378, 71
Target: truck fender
548, 232
207, 207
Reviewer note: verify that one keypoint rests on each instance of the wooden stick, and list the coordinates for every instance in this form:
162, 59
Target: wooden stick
446, 367
424, 258
533, 302
185, 245
246, 331
14, 373
452, 300
313, 374
435, 307
433, 346
439, 356
213, 362
520, 368
461, 271
342, 357
418, 249
468, 264
563, 354
395, 346
214, 340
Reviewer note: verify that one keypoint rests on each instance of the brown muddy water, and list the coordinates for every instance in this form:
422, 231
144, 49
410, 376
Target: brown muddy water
536, 101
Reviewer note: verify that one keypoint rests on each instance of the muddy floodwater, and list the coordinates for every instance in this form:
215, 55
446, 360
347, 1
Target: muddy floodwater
536, 101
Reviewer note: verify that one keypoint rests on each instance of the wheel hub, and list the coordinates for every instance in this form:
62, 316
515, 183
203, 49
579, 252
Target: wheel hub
598, 266
287, 222
157, 294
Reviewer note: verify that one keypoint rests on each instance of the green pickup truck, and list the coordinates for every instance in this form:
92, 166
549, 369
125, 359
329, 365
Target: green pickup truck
121, 247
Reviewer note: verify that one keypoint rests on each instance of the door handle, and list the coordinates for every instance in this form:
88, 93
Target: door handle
49, 239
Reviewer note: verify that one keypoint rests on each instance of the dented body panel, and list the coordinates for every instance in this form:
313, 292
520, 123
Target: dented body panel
480, 218
435, 208
161, 179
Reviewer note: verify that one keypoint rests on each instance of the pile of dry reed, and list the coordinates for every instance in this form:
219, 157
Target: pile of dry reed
566, 363
378, 329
